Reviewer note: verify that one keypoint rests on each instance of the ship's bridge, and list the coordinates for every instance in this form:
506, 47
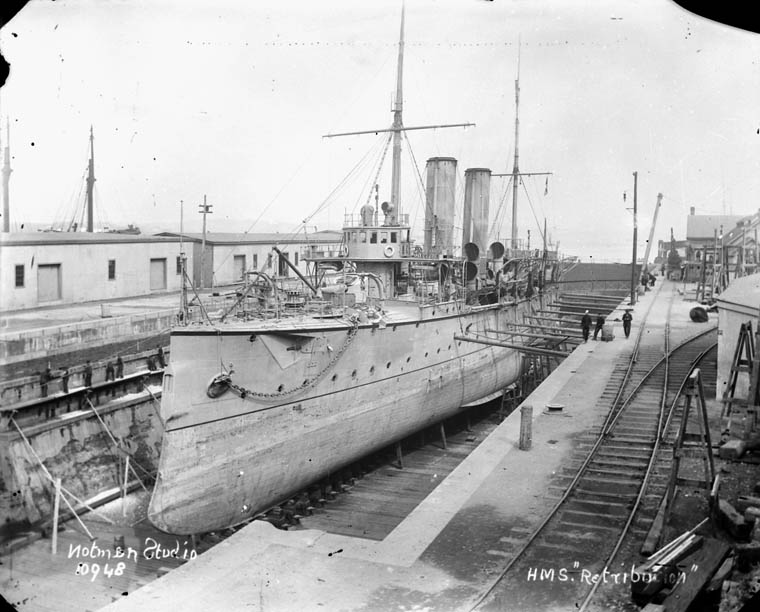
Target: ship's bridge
364, 238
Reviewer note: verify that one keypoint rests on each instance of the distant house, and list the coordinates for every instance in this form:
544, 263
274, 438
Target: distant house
727, 240
229, 255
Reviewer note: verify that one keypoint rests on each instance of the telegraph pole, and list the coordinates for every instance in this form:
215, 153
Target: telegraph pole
204, 210
635, 237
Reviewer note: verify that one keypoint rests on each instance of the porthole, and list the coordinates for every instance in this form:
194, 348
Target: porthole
305, 382
280, 389
449, 347
388, 365
438, 351
372, 370
408, 359
334, 377
353, 374
426, 354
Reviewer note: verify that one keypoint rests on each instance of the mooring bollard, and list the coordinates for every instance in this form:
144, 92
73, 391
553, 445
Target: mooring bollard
526, 421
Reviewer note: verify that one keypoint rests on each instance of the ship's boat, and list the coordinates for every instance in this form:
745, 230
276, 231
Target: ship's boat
290, 383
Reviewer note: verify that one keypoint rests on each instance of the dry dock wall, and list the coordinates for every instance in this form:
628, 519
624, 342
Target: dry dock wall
77, 448
39, 343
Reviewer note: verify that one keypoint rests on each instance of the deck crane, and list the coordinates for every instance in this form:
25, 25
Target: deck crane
644, 271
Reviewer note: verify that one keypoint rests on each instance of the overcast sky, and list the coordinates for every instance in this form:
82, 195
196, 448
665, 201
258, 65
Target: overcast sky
231, 99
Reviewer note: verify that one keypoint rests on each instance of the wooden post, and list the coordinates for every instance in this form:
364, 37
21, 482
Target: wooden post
399, 456
443, 436
56, 506
526, 422
124, 490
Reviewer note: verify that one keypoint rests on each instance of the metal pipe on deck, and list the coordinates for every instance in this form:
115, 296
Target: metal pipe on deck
292, 267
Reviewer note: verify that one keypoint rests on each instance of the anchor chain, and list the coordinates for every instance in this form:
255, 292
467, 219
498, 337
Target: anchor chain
226, 379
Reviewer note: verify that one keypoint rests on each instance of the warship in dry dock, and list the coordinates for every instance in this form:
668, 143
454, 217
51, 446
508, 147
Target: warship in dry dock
289, 384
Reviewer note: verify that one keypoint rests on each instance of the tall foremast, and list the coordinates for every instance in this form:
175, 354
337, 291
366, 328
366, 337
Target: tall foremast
398, 126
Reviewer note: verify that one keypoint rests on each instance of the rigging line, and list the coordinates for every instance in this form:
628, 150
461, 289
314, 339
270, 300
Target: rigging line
501, 210
538, 225
305, 221
380, 165
420, 184
377, 164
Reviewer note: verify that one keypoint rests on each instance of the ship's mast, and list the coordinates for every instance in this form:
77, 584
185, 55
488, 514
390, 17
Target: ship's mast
90, 182
398, 126
516, 167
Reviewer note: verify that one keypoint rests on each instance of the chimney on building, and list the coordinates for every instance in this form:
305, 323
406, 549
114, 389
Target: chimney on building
691, 210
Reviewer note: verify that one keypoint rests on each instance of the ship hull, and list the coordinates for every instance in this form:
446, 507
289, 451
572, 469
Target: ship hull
226, 459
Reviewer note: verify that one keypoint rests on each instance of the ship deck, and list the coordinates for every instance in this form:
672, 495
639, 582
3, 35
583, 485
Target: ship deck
450, 547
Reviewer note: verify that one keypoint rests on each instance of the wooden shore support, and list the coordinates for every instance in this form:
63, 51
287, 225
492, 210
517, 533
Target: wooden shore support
519, 347
56, 508
443, 436
399, 456
526, 427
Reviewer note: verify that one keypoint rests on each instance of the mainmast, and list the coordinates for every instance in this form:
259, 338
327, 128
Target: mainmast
90, 182
516, 167
398, 126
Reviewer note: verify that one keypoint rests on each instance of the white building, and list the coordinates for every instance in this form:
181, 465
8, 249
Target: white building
229, 255
53, 268
739, 303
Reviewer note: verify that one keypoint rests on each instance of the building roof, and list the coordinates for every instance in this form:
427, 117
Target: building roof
321, 237
48, 238
743, 291
600, 272
703, 227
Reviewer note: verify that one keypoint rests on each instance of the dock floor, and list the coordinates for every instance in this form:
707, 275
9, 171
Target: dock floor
453, 545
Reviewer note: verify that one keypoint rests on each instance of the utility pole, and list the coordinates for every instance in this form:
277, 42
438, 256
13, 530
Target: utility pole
204, 210
635, 238
182, 263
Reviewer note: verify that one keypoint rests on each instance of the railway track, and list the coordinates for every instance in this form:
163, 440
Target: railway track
609, 494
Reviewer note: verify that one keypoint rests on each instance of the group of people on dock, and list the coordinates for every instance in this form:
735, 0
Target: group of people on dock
586, 324
114, 370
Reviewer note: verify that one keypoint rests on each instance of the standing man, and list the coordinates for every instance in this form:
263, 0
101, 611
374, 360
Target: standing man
599, 324
586, 325
65, 379
160, 357
44, 379
88, 374
119, 367
627, 318
109, 371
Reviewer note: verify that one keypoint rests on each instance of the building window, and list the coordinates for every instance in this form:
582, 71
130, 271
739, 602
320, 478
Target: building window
296, 258
373, 238
111, 269
255, 261
394, 237
179, 265
20, 275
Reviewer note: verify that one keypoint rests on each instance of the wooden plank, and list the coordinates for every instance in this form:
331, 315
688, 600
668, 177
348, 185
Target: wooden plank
699, 568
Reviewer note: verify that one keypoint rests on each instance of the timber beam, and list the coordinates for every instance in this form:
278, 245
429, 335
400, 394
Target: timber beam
518, 347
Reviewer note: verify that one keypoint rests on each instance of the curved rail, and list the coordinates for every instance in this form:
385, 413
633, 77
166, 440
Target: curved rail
617, 408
